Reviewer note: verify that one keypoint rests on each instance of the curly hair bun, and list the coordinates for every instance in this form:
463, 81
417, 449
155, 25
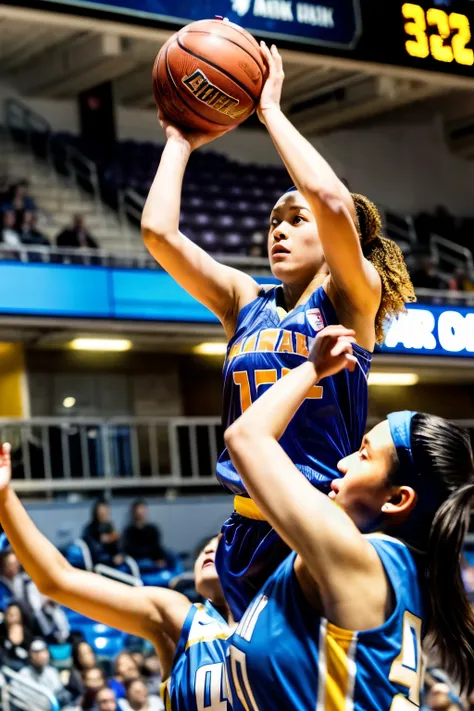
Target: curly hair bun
368, 217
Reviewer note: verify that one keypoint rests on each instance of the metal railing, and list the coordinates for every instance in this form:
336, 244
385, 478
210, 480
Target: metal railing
67, 454
31, 128
138, 257
451, 253
73, 454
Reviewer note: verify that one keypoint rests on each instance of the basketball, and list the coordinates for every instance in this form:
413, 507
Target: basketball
209, 75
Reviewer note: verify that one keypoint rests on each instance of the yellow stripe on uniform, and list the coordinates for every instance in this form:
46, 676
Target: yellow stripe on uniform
165, 694
246, 507
208, 638
337, 675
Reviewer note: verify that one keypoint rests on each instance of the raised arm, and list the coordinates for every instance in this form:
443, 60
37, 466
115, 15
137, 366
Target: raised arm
329, 199
146, 612
330, 545
222, 289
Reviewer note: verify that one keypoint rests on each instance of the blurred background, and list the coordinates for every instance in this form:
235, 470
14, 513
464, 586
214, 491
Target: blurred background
110, 374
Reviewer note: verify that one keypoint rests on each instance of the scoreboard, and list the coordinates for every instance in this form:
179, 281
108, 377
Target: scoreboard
431, 35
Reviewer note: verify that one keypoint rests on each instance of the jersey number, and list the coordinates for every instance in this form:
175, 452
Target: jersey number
238, 660
265, 377
406, 669
211, 688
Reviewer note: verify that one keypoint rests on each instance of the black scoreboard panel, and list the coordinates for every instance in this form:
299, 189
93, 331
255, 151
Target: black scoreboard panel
429, 35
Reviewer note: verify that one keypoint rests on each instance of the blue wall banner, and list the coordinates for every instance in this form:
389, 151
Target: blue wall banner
137, 294
432, 330
332, 23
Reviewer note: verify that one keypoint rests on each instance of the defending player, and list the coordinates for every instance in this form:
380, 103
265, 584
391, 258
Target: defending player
340, 624
325, 247
191, 640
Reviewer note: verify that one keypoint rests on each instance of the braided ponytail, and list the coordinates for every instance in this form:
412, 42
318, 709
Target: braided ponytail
387, 258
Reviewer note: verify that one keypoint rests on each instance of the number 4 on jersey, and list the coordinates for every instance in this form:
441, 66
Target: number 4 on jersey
211, 688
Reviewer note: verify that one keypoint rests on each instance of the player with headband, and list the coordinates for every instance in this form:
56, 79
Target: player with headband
326, 248
341, 622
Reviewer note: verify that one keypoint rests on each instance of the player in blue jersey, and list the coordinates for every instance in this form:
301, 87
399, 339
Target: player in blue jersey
334, 266
191, 640
339, 625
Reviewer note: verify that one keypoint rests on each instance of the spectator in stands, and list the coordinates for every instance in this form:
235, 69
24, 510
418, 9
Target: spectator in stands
20, 202
77, 236
106, 700
93, 680
152, 673
83, 657
11, 579
50, 618
15, 638
10, 237
138, 698
125, 669
40, 671
29, 233
142, 539
461, 281
255, 250
425, 276
101, 536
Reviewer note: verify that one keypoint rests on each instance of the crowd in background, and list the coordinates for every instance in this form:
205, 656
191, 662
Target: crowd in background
19, 218
140, 539
34, 627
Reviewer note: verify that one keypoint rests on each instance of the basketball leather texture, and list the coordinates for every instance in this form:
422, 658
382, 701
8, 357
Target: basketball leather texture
209, 75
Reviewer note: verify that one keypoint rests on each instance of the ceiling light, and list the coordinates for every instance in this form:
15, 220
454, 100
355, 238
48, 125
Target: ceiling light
69, 402
393, 378
101, 344
214, 348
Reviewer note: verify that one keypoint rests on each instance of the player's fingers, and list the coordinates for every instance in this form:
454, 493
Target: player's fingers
340, 348
267, 56
351, 363
277, 57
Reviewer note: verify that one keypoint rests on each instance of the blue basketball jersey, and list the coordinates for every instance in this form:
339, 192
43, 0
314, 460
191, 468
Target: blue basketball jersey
284, 656
267, 343
198, 678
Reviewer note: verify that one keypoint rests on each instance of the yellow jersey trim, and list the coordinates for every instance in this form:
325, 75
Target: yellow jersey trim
248, 508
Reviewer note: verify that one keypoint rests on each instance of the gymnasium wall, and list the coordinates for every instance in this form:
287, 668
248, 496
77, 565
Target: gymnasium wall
405, 165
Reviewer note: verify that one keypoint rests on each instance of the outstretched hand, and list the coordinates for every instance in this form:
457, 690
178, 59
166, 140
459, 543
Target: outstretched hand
332, 351
5, 466
271, 94
193, 139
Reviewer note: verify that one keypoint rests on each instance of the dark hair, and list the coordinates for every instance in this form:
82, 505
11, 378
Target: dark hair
388, 259
95, 507
442, 453
75, 653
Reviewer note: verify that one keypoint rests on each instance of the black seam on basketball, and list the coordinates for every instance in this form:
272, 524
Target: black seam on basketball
240, 32
182, 97
205, 32
219, 69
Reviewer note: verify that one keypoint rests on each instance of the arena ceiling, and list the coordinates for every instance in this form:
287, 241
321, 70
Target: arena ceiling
43, 54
